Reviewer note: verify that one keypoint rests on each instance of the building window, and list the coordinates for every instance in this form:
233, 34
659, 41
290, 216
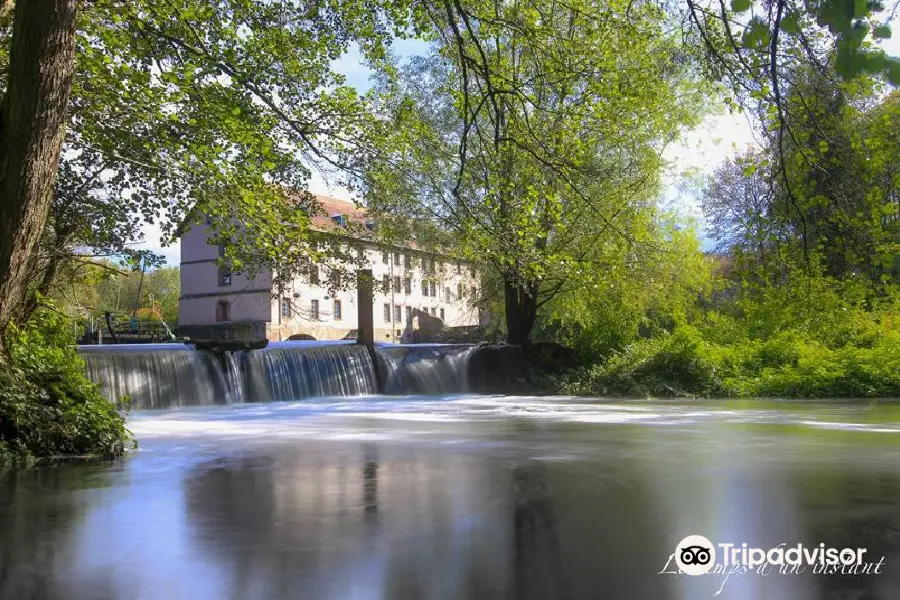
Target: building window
474, 293
370, 225
208, 219
431, 265
384, 257
446, 294
458, 267
396, 259
386, 283
387, 313
314, 274
432, 290
336, 278
409, 314
285, 308
223, 311
361, 254
314, 310
424, 288
407, 260
337, 310
459, 291
221, 250
339, 220
397, 314
472, 271
224, 276
397, 284
442, 314
407, 286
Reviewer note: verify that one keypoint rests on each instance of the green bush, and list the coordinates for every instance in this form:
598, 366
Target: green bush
775, 347
48, 407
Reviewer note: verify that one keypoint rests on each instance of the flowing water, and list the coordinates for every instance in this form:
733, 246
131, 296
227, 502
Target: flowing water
172, 375
277, 474
459, 497
156, 375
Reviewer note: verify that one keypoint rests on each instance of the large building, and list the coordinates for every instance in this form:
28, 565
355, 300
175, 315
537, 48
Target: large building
418, 291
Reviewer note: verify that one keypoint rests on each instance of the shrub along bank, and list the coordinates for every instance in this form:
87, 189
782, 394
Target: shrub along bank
48, 407
831, 345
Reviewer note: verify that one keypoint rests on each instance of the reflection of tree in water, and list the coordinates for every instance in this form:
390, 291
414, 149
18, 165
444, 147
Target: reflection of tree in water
539, 569
38, 516
233, 506
585, 529
392, 523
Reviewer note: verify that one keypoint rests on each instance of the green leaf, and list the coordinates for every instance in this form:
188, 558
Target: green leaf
882, 32
740, 5
790, 23
893, 72
860, 8
756, 34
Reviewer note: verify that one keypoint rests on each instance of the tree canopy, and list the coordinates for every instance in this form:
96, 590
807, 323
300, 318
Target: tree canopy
534, 133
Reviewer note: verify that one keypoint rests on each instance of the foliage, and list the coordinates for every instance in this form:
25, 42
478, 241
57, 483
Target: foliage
96, 287
639, 289
188, 110
48, 407
511, 135
837, 343
777, 58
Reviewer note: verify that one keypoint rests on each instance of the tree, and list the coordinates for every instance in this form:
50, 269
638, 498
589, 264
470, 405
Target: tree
740, 204
93, 288
188, 110
533, 133
840, 165
32, 127
765, 51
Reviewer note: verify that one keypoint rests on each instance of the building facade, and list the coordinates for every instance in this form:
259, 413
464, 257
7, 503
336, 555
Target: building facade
416, 292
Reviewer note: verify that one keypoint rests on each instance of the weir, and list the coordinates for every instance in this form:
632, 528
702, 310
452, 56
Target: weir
155, 376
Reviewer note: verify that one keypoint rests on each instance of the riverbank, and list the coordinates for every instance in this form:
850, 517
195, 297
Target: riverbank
49, 410
690, 362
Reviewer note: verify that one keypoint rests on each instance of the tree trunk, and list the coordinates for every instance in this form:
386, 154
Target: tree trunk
521, 310
32, 127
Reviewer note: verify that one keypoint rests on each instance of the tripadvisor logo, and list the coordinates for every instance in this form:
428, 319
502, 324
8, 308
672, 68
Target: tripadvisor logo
695, 555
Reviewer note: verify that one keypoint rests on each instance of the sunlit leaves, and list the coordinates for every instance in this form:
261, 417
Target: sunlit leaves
193, 109
756, 34
565, 157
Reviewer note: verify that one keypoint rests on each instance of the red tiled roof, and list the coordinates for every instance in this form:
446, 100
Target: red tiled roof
334, 206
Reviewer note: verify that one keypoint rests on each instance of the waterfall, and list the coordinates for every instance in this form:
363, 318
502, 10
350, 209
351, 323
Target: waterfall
234, 375
426, 368
289, 370
155, 375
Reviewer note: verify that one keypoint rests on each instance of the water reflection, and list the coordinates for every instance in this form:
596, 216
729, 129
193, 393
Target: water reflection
505, 508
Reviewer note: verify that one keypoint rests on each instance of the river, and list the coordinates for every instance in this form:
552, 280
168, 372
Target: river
459, 497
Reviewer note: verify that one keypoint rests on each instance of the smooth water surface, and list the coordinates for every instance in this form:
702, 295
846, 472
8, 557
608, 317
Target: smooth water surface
457, 498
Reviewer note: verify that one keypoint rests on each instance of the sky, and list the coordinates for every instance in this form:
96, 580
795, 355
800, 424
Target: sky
698, 152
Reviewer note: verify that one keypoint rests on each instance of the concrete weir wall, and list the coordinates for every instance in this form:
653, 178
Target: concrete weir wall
495, 368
